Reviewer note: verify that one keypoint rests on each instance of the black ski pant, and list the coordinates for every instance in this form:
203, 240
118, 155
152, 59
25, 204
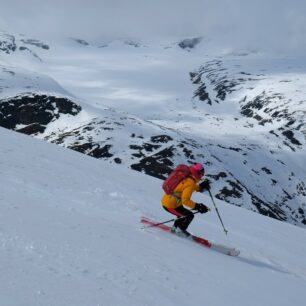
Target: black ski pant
181, 211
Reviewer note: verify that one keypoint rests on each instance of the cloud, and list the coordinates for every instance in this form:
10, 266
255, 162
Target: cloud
106, 17
274, 23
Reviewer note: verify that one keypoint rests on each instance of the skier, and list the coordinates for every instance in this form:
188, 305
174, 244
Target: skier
174, 203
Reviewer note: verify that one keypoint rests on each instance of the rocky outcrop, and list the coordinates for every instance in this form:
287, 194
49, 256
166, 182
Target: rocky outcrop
31, 113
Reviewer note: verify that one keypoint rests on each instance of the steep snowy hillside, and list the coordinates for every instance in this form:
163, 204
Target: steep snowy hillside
149, 105
70, 235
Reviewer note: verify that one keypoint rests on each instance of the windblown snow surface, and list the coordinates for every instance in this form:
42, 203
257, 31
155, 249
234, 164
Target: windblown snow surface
70, 235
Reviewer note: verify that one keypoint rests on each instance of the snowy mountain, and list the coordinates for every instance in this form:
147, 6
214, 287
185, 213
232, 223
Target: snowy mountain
70, 235
148, 105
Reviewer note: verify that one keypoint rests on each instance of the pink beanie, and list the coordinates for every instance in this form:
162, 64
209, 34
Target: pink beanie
197, 170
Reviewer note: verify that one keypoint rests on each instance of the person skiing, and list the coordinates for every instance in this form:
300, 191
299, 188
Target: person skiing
174, 203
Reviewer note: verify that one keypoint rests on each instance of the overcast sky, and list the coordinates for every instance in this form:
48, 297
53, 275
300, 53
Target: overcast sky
273, 22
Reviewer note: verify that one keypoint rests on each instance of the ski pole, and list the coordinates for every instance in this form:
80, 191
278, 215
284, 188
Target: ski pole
225, 231
157, 224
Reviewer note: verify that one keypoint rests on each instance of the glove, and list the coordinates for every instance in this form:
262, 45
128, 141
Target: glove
205, 185
201, 208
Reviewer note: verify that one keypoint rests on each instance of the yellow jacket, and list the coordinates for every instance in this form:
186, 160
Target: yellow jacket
182, 194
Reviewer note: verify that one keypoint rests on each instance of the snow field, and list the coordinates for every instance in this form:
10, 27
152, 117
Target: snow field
70, 235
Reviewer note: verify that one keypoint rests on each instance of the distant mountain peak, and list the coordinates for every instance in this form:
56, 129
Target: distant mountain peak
190, 43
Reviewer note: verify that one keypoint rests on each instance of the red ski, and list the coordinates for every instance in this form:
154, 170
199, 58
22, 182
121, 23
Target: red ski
217, 247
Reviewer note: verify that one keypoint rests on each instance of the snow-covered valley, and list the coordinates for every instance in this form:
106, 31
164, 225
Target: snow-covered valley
148, 105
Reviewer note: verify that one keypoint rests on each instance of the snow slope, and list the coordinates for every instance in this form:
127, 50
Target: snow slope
70, 235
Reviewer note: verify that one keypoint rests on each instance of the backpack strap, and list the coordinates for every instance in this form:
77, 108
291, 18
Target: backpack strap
176, 196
